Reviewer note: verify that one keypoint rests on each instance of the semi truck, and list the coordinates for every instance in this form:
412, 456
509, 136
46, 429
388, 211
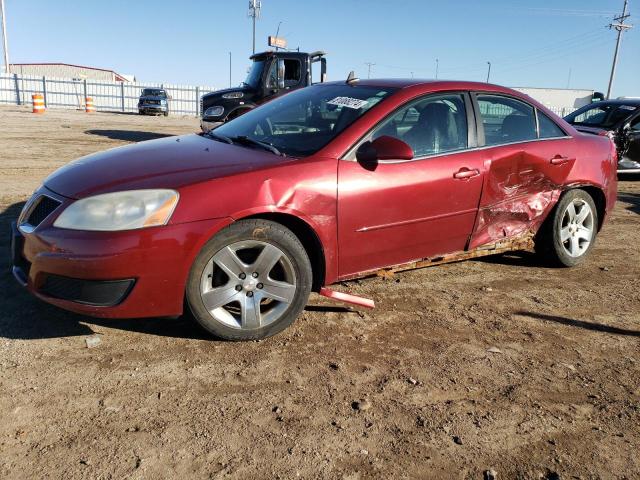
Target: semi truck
271, 74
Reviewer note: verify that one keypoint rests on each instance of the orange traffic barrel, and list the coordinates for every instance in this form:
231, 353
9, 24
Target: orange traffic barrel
89, 106
38, 103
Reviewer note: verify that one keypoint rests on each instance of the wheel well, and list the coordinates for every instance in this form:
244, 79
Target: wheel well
309, 240
237, 112
599, 199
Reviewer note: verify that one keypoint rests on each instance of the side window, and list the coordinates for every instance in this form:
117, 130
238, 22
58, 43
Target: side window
547, 127
432, 125
506, 120
291, 73
635, 124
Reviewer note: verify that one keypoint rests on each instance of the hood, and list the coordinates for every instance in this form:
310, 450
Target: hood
592, 130
218, 93
170, 162
152, 97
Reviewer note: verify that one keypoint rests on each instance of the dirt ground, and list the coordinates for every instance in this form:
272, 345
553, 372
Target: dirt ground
490, 364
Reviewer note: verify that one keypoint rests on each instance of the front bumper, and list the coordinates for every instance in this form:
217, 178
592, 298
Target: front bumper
130, 274
145, 108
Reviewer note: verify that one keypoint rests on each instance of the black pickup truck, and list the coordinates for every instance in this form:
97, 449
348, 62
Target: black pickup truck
271, 74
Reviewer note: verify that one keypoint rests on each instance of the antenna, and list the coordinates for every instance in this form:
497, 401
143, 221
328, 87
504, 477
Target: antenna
351, 79
254, 13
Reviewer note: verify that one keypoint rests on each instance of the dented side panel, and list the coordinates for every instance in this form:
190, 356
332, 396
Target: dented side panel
521, 187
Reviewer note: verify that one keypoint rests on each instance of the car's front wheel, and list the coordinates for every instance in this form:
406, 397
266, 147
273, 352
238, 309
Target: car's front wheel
570, 232
250, 281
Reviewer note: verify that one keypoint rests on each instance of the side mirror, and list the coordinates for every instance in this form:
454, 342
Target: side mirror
280, 73
384, 148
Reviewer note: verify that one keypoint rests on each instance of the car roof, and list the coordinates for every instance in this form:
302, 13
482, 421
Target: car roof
619, 101
431, 84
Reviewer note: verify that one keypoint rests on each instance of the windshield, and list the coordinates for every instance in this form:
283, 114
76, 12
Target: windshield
253, 77
153, 92
302, 122
603, 116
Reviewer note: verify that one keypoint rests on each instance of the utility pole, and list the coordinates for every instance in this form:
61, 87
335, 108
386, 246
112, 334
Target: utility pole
488, 71
229, 69
4, 37
620, 27
254, 13
369, 64
569, 78
437, 65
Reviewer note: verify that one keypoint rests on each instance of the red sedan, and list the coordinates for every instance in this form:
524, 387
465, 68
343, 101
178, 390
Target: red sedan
327, 183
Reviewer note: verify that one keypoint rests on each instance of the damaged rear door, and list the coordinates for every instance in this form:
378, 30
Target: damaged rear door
527, 160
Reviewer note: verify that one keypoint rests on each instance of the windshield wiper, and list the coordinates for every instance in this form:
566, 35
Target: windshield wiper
244, 140
220, 138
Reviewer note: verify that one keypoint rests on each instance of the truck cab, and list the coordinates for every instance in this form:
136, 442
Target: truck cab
271, 74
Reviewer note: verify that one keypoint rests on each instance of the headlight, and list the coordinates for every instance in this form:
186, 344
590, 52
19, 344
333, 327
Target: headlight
214, 111
163, 102
233, 95
119, 211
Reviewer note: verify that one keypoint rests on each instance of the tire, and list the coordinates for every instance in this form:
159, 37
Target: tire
249, 264
166, 114
569, 234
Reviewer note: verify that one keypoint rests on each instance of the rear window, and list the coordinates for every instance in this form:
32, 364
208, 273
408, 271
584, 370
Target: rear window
548, 128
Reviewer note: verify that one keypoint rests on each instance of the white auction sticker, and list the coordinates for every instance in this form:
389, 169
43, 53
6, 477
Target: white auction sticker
348, 102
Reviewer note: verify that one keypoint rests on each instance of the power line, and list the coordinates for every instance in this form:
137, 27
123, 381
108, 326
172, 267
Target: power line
564, 12
550, 51
620, 26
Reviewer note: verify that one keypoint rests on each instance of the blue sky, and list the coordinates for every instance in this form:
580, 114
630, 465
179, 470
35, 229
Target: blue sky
528, 43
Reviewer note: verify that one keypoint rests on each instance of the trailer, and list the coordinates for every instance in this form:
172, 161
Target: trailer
562, 101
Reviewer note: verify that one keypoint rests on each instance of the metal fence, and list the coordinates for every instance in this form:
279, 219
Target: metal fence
70, 93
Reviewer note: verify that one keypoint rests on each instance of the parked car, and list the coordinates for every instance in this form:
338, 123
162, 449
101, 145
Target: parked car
619, 119
326, 183
153, 100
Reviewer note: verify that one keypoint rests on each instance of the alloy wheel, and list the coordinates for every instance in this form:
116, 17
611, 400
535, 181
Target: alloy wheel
248, 284
576, 230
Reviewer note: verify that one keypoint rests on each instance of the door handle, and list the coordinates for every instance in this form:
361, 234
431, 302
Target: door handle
465, 173
559, 160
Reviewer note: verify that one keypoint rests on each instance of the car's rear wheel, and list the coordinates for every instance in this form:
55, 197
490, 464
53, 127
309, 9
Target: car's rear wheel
250, 281
570, 232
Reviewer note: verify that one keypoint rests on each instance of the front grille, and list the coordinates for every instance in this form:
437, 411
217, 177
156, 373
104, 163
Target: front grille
41, 209
100, 293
